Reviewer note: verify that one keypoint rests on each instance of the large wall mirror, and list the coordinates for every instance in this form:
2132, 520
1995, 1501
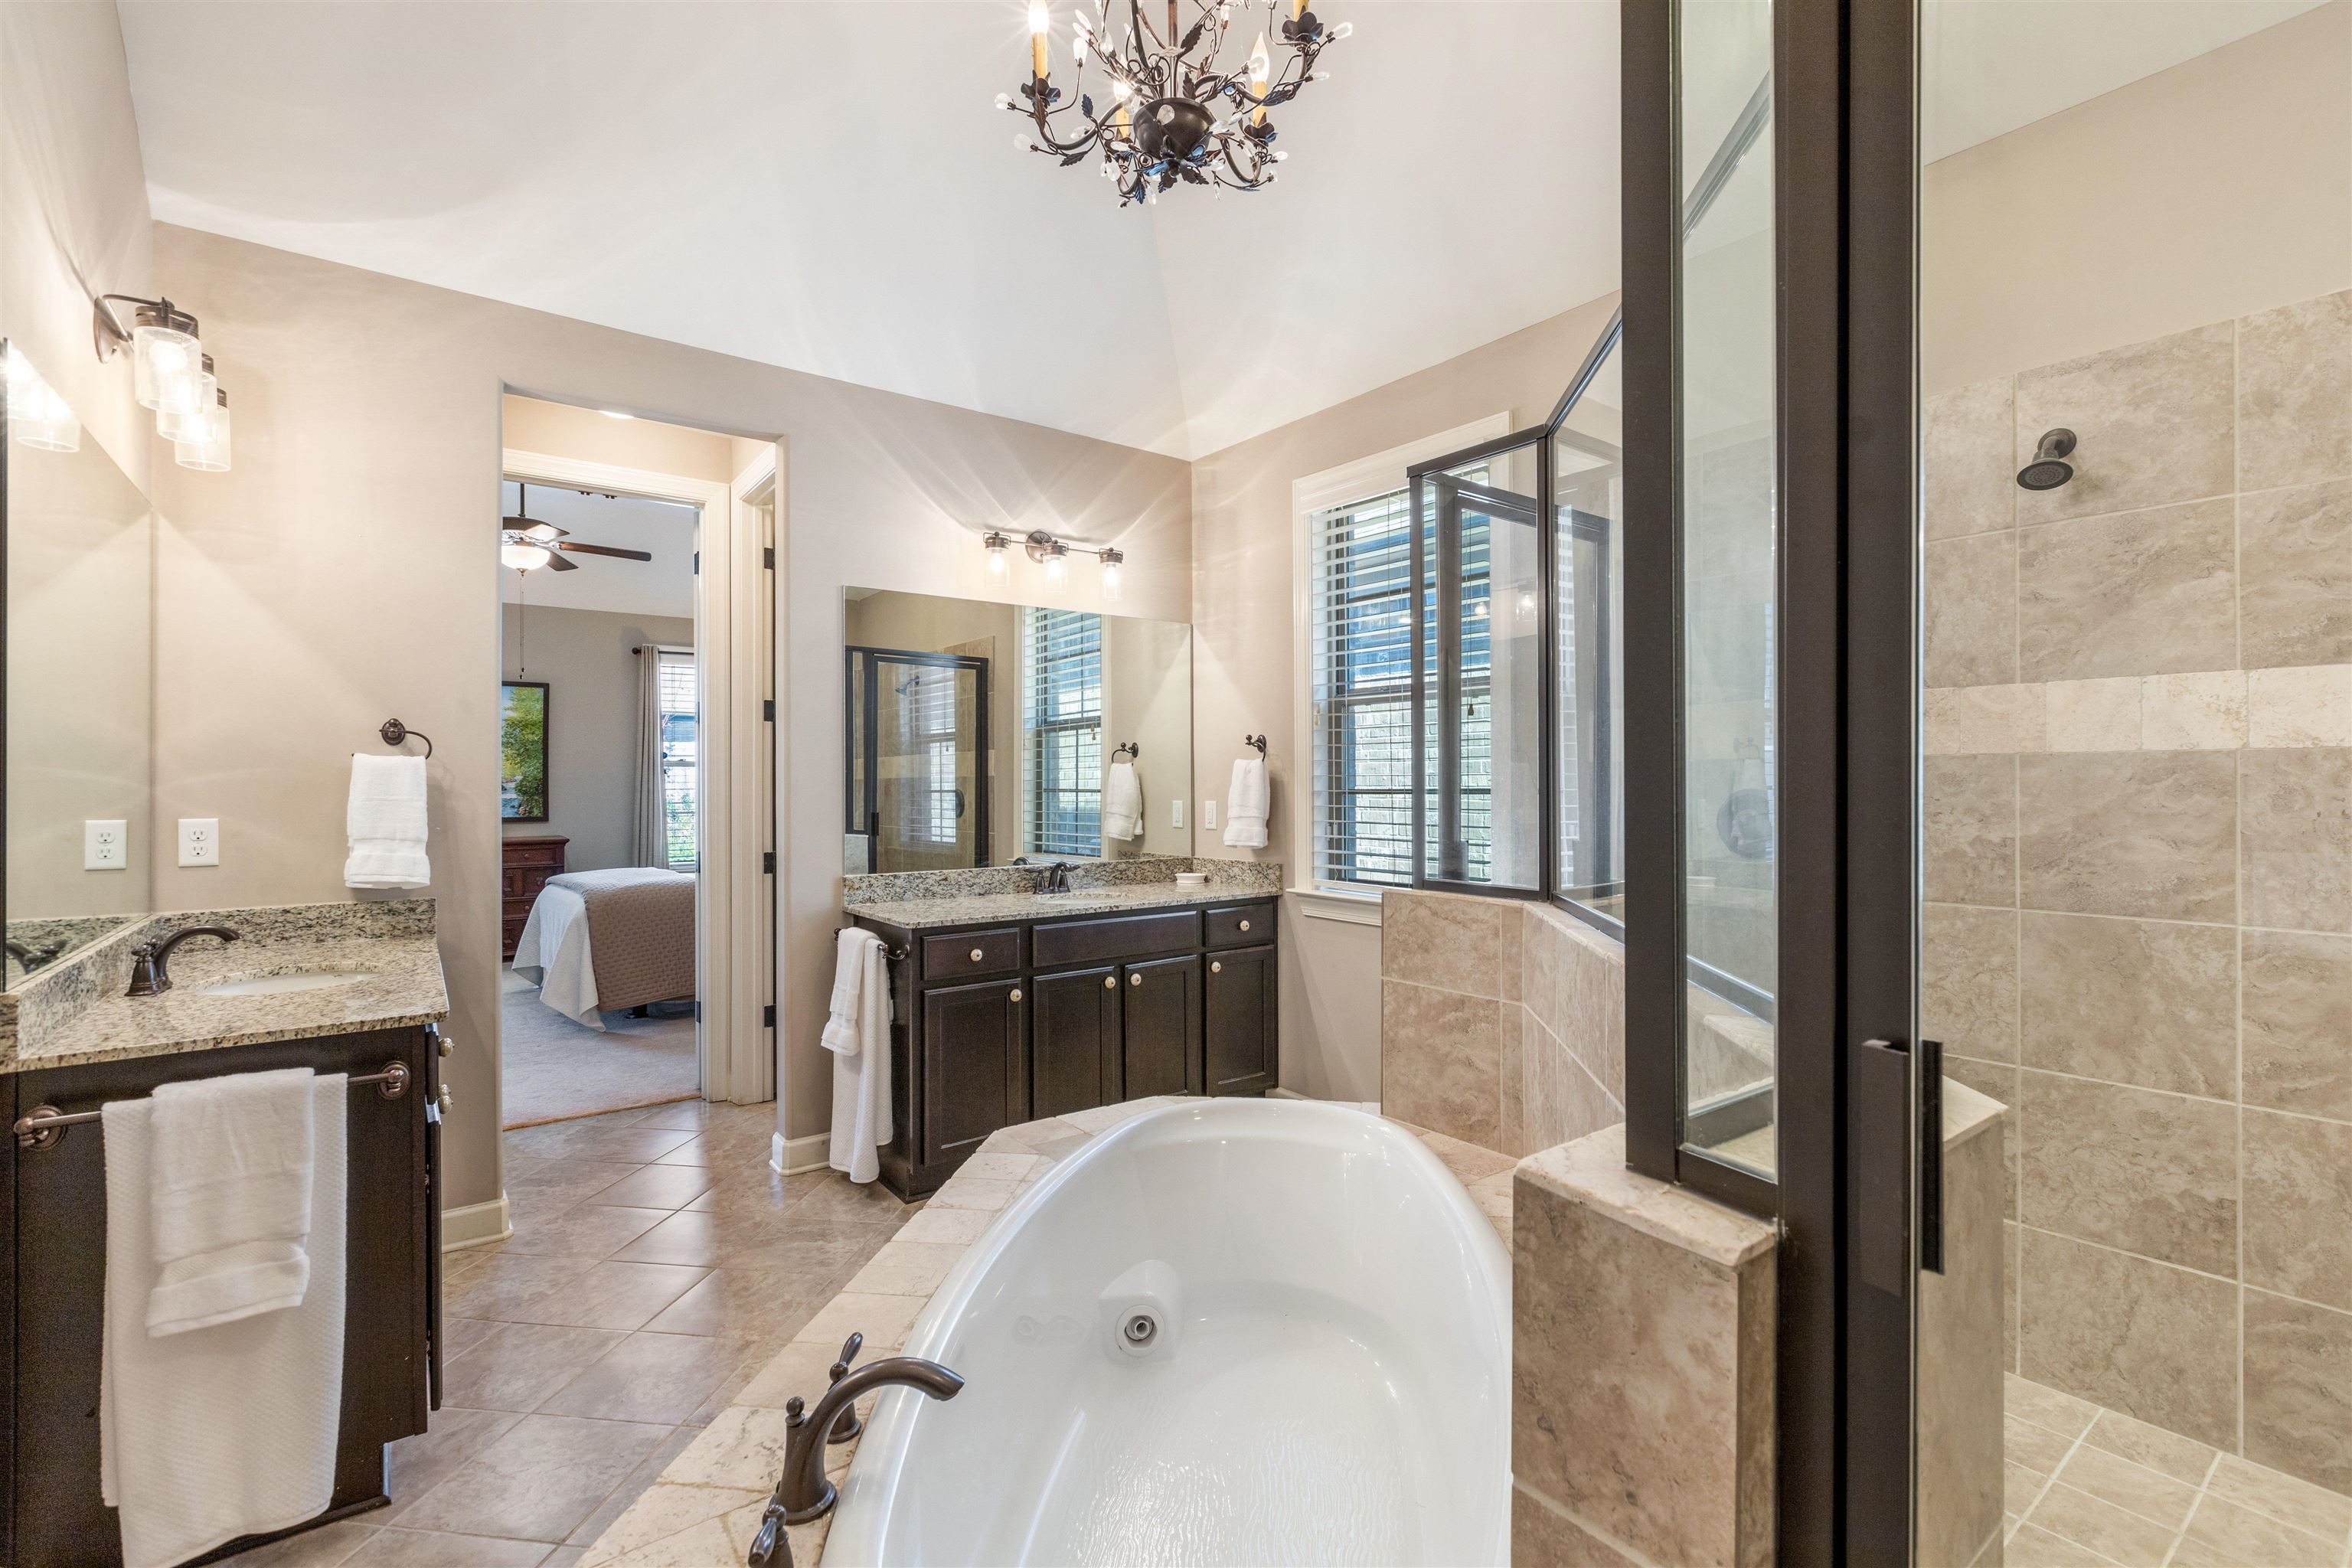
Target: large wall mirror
982, 733
80, 566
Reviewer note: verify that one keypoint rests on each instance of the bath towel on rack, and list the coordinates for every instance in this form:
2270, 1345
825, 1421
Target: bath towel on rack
1245, 804
385, 822
858, 1033
229, 1176
229, 1430
1122, 803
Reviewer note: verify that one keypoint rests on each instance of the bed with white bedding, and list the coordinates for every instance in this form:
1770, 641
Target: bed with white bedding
598, 942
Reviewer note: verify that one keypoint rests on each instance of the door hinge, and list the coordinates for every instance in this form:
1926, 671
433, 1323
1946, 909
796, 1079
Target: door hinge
698, 562
768, 709
697, 1010
768, 861
768, 1016
768, 556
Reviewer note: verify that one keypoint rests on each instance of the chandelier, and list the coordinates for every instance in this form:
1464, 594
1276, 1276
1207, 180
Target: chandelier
1168, 113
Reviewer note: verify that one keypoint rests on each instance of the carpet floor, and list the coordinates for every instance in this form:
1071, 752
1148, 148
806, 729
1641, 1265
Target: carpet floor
555, 1069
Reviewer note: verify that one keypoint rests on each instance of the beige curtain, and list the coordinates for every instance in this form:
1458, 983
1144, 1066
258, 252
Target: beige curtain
649, 837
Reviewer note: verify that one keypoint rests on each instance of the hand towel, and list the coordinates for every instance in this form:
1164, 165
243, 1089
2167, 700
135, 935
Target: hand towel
229, 1197
385, 822
858, 1036
1245, 804
230, 1430
1122, 803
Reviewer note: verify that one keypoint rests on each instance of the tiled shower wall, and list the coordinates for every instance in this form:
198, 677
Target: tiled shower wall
1502, 1020
2139, 866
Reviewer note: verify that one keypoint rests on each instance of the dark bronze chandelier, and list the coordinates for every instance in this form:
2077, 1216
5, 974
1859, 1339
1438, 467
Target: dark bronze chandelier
1168, 113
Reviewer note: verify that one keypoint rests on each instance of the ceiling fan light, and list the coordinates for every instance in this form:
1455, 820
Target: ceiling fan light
524, 556
542, 534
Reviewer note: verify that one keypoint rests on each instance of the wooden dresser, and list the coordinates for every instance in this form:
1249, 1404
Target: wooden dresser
529, 863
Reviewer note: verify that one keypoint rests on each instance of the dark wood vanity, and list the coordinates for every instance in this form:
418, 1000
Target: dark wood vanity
1000, 1023
55, 1215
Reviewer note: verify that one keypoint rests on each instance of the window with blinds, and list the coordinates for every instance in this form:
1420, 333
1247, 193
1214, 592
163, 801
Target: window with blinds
929, 722
1061, 721
680, 758
1360, 674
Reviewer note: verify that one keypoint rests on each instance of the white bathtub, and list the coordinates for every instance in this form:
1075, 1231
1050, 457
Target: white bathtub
1326, 1376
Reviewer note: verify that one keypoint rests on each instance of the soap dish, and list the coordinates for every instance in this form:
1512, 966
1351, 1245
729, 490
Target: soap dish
1191, 879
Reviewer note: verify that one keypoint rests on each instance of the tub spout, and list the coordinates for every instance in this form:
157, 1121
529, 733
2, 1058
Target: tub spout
802, 1492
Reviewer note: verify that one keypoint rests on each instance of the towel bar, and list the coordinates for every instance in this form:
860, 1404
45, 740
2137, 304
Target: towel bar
46, 1125
893, 953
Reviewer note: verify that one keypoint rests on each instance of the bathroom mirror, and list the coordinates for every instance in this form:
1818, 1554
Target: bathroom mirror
80, 548
978, 733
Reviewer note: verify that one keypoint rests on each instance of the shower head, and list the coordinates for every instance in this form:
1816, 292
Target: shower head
2049, 469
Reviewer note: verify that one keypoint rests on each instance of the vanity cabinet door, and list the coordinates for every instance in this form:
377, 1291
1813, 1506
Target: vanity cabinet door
975, 1065
1075, 1042
1241, 1021
1160, 1020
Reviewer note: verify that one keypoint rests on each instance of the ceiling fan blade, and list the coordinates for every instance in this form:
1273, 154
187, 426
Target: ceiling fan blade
540, 533
560, 565
606, 550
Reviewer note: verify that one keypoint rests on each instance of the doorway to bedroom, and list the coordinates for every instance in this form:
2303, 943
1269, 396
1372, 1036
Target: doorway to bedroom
633, 640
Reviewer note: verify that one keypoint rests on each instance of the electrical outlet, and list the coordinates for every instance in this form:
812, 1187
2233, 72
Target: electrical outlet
1176, 813
200, 841
105, 846
1208, 814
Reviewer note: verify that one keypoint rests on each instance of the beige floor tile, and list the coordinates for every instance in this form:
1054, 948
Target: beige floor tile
518, 1365
2282, 1496
2021, 1488
692, 1115
593, 1138
2135, 1488
764, 1305
647, 1377
2048, 1408
2034, 1547
683, 1238
693, 1151
459, 1335
2221, 1533
758, 1192
809, 1254
613, 1296
633, 1486
328, 1546
431, 1549
837, 1199
2182, 1458
452, 1436
2105, 1529
536, 1481
2036, 1448
506, 1285
545, 1172
656, 1187
584, 1230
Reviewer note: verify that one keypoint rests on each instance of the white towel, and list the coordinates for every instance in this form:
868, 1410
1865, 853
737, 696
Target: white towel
229, 1197
230, 1430
1122, 802
858, 1036
385, 822
1245, 804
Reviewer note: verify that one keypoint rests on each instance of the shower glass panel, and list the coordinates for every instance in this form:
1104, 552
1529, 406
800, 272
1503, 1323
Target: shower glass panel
1724, 385
1481, 647
1588, 610
917, 732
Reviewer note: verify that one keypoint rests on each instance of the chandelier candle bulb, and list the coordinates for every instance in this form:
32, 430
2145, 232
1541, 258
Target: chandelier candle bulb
1038, 23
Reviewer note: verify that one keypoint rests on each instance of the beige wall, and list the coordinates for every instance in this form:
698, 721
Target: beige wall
74, 221
2216, 188
1244, 668
586, 435
1148, 699
585, 657
343, 573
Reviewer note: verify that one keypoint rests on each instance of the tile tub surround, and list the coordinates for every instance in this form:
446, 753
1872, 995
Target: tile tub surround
1502, 1020
1645, 1312
2138, 849
705, 1508
917, 899
75, 1012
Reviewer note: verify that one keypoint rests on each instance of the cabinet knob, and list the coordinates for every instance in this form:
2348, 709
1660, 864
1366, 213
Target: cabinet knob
977, 955
1016, 994
1245, 925
1216, 966
448, 1102
448, 1046
1110, 981
1135, 980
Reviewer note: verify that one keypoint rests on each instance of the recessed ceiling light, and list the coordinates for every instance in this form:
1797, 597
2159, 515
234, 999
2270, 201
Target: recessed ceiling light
615, 414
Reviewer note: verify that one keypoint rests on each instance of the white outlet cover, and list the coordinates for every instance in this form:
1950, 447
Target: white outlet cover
105, 845
1176, 814
1208, 814
200, 841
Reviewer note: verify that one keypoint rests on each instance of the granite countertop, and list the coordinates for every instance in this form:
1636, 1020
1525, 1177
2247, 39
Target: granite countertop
916, 914
392, 945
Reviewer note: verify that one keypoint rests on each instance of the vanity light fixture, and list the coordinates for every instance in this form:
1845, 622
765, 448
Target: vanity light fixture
37, 416
1053, 555
171, 373
1056, 557
1112, 560
995, 544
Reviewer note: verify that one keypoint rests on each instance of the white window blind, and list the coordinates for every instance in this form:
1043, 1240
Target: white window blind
928, 721
680, 758
1359, 676
1061, 719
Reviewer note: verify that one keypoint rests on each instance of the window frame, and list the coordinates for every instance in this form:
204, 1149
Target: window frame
667, 658
1037, 737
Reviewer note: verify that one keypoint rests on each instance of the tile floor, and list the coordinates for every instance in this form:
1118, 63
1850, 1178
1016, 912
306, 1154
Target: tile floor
2088, 1487
657, 1264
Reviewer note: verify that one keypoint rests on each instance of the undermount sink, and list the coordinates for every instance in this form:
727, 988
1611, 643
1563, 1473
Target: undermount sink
271, 984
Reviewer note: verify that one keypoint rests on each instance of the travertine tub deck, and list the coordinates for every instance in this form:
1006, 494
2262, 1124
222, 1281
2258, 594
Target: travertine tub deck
706, 1508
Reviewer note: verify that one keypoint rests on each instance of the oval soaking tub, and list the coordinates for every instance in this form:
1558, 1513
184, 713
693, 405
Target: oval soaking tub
1224, 1331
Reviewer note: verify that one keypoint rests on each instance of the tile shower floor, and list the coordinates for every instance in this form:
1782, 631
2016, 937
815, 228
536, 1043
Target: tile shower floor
656, 1263
2087, 1486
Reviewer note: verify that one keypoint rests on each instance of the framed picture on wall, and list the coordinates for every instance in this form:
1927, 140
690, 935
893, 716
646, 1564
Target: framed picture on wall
523, 750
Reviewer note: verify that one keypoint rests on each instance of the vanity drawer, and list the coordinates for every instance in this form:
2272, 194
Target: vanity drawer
972, 955
1124, 936
1240, 925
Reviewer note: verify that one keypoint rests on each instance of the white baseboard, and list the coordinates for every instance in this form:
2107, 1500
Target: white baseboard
475, 1225
790, 1157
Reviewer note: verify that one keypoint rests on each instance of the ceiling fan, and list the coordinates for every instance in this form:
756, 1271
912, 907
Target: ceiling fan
526, 543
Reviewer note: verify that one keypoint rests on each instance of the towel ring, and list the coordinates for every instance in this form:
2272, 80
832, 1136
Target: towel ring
1134, 751
395, 733
1258, 741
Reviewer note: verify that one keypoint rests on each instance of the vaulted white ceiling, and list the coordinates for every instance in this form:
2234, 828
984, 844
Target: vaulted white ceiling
823, 183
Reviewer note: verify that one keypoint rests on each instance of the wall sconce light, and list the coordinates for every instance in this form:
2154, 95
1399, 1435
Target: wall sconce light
1053, 555
1112, 560
997, 544
37, 416
1056, 557
171, 373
